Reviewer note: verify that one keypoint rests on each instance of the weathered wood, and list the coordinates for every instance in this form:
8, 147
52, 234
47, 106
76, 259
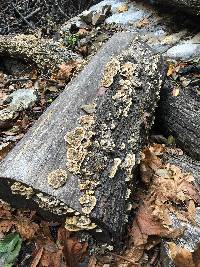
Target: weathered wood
103, 143
180, 117
186, 163
46, 54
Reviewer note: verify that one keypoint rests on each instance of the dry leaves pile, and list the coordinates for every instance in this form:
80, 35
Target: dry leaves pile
61, 250
171, 191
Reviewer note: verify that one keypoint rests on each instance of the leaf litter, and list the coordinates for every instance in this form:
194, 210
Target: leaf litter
170, 191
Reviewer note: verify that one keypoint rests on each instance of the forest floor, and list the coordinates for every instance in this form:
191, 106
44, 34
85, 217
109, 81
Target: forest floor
33, 241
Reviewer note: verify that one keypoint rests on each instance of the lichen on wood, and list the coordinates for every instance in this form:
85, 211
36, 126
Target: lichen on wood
46, 54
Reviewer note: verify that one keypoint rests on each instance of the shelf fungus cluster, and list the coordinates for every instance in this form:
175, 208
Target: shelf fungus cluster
105, 149
57, 178
43, 201
20, 189
78, 141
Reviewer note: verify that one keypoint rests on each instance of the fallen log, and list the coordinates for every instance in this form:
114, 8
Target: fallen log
190, 6
105, 115
46, 54
180, 116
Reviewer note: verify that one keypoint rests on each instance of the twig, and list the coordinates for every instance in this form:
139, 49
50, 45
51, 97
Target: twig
61, 11
22, 17
124, 258
32, 13
18, 80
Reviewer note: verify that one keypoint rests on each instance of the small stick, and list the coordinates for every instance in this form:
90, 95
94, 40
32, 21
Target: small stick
61, 11
17, 80
22, 17
124, 258
32, 13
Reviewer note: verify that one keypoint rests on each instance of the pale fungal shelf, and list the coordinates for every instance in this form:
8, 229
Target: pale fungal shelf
97, 150
57, 178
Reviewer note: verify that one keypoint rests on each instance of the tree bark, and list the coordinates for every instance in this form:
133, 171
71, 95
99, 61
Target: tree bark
180, 116
105, 115
46, 54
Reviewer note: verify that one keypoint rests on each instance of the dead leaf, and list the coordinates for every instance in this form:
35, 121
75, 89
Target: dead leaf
5, 210
182, 257
73, 250
52, 259
170, 69
175, 91
92, 261
4, 149
142, 22
66, 70
37, 257
82, 32
196, 256
139, 239
191, 210
122, 8
83, 50
148, 224
26, 228
5, 225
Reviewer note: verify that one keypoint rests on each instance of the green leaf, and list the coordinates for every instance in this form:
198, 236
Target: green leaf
170, 140
9, 242
8, 265
10, 247
13, 254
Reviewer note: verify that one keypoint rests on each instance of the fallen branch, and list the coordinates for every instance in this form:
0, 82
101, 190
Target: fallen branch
22, 17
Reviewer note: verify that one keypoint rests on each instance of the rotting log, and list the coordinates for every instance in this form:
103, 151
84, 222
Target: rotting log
105, 115
186, 163
180, 116
46, 54
190, 6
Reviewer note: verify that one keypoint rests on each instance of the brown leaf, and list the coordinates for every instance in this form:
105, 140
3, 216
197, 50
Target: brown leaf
82, 32
5, 225
5, 210
73, 250
4, 149
37, 257
181, 256
66, 70
148, 224
92, 261
83, 50
52, 259
26, 228
191, 210
196, 256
